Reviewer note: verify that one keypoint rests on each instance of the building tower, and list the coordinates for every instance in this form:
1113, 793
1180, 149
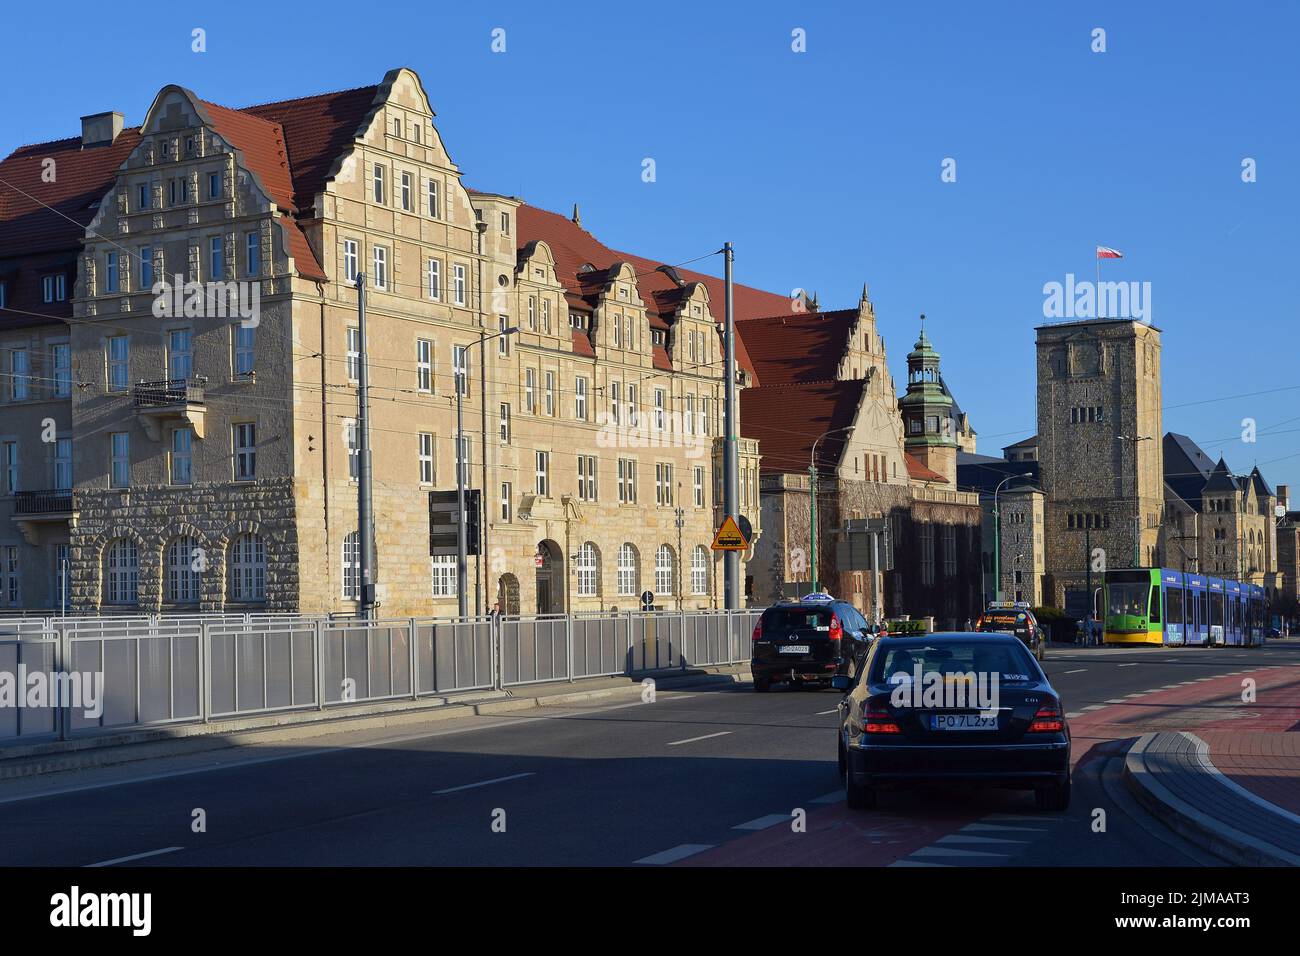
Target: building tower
929, 432
1100, 450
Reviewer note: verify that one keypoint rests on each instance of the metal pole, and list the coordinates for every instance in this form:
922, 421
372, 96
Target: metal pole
877, 605
730, 465
458, 458
812, 521
479, 577
365, 500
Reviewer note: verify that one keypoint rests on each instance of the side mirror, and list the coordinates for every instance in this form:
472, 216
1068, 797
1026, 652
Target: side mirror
842, 682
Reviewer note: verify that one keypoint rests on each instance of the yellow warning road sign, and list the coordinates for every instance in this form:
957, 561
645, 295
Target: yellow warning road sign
729, 537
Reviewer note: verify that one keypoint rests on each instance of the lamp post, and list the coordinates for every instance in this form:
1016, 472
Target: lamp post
812, 502
462, 466
997, 538
1137, 502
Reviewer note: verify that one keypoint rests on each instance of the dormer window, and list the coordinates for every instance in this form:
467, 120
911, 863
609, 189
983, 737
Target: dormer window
657, 337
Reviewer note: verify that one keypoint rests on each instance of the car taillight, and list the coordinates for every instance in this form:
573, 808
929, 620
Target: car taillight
758, 629
876, 718
837, 629
1047, 720
979, 623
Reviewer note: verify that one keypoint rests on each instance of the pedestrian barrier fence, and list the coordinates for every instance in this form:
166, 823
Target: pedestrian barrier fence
113, 674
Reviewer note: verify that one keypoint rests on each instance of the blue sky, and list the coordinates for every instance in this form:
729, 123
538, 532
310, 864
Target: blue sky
824, 167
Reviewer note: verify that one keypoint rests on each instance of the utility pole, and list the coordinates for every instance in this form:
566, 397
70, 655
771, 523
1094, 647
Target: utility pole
997, 539
365, 499
730, 463
812, 502
480, 578
681, 555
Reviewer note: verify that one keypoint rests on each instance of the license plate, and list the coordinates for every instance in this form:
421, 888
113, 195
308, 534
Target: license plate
962, 722
796, 649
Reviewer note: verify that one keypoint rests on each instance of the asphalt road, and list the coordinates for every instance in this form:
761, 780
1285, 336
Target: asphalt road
700, 777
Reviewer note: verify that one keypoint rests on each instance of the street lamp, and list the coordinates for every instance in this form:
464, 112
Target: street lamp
462, 466
812, 501
997, 538
1137, 502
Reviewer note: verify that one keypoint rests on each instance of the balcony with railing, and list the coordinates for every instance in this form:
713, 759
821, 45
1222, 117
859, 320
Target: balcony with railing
35, 508
173, 398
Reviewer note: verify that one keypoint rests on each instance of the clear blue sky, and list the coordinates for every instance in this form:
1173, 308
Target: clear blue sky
823, 167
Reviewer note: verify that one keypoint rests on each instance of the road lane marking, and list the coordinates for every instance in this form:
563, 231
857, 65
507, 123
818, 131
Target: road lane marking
675, 854
1117, 700
917, 863
967, 838
1134, 664
1073, 714
764, 823
823, 713
994, 826
835, 796
953, 851
1095, 707
484, 783
1079, 671
135, 856
691, 740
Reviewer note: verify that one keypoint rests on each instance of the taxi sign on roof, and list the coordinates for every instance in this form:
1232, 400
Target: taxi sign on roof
729, 537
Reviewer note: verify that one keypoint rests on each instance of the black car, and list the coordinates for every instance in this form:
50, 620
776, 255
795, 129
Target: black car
914, 717
808, 641
1005, 617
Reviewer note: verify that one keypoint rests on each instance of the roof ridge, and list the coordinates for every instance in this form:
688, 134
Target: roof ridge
309, 96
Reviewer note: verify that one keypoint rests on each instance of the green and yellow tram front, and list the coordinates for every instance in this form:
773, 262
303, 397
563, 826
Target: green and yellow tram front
1130, 598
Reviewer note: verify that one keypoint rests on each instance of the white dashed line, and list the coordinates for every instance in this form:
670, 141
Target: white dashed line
1073, 714
675, 854
1079, 671
1095, 707
823, 713
691, 740
484, 783
763, 823
967, 838
982, 827
1134, 664
136, 856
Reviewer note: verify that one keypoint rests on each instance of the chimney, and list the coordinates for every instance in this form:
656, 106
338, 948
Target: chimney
1284, 497
100, 129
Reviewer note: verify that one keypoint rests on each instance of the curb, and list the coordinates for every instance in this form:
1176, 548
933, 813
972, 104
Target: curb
1225, 842
114, 749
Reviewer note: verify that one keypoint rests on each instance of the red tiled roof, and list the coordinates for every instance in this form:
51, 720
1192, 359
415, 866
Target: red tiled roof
800, 347
262, 143
787, 419
918, 471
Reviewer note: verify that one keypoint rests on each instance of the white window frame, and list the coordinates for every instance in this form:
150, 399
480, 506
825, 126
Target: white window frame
180, 456
580, 399
379, 259
424, 366
350, 254
458, 283
244, 442
120, 458
628, 576
433, 278
424, 453
542, 473
380, 181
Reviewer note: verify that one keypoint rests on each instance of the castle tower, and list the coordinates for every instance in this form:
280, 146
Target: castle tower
929, 432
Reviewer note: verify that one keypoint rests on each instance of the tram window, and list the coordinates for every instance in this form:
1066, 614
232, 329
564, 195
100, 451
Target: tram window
1174, 606
1203, 618
1155, 605
1216, 610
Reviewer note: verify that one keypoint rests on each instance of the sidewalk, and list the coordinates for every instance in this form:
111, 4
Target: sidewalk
1232, 786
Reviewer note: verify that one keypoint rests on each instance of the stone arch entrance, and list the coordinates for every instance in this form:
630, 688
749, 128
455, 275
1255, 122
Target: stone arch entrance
508, 595
550, 578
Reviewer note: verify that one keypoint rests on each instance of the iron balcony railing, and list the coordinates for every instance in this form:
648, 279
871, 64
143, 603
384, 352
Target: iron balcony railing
42, 502
172, 391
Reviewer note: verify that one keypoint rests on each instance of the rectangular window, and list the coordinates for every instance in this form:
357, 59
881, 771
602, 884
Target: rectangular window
549, 393
505, 223
688, 417
110, 272
120, 451
546, 316
19, 375
119, 356
406, 192
614, 398
705, 424
458, 283
618, 331
532, 313
503, 340
433, 278
381, 267
426, 458
146, 268
424, 365
216, 258
9, 575
631, 405
354, 354
586, 478
143, 197
63, 464
214, 185
659, 408
62, 568
444, 575
580, 399
350, 260
543, 473
505, 423
505, 501
252, 254
530, 399
244, 338
10, 456
245, 435
354, 449
459, 368
433, 199
698, 485
182, 456
180, 355
379, 184
663, 483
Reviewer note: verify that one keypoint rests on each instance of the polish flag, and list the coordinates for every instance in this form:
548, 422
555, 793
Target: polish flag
1106, 252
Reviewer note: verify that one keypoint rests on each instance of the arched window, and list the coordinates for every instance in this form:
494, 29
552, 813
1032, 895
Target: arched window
121, 572
247, 559
588, 570
664, 567
629, 573
352, 567
700, 570
181, 579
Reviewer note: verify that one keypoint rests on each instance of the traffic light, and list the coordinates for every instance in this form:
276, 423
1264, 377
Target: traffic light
473, 522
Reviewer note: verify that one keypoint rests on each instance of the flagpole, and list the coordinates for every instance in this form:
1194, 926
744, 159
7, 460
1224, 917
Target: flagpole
1098, 287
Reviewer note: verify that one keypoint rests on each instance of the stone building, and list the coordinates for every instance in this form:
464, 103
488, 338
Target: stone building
177, 453
1099, 449
1011, 485
825, 396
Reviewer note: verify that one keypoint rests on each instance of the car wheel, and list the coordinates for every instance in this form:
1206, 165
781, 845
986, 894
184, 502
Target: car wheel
762, 684
1055, 799
839, 759
856, 796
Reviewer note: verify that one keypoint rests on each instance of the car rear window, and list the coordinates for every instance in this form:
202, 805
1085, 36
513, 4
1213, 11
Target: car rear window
780, 621
1009, 661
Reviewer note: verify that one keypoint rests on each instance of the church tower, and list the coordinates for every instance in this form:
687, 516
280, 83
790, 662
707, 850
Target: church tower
929, 433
